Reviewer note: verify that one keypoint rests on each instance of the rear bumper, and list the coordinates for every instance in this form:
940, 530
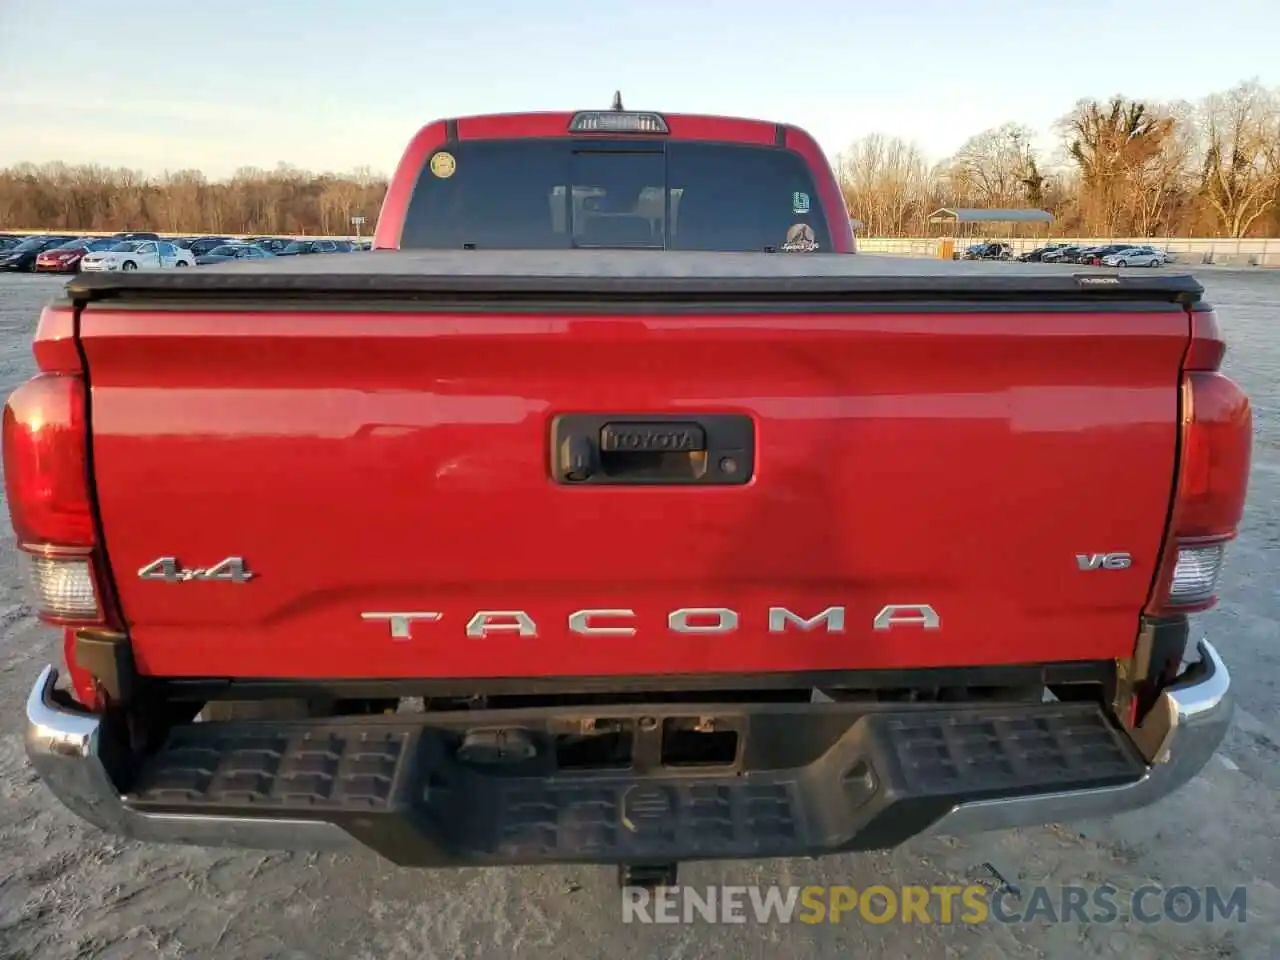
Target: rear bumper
808, 779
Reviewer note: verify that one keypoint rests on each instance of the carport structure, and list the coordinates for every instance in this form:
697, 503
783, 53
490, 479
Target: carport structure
965, 220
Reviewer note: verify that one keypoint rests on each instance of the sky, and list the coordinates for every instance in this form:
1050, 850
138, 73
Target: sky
323, 85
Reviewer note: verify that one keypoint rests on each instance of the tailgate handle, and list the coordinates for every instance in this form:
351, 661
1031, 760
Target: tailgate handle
648, 449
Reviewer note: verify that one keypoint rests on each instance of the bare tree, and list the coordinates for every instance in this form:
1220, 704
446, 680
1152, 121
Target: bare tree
996, 168
1108, 142
283, 201
1158, 182
184, 193
1241, 173
885, 183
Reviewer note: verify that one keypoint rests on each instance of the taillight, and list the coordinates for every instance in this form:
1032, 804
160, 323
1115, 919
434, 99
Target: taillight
46, 479
45, 466
1213, 477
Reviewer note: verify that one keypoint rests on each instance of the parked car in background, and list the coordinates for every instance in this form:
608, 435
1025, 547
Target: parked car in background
988, 251
1079, 255
202, 245
1092, 256
230, 252
66, 257
301, 247
136, 236
1061, 255
1137, 257
138, 255
270, 244
22, 256
1034, 256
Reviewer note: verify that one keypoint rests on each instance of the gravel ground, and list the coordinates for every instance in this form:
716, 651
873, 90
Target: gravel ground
67, 890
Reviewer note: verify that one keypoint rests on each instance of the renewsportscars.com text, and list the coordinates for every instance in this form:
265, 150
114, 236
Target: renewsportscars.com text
973, 904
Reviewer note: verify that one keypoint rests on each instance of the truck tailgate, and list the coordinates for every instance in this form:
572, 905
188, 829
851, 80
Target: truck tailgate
385, 458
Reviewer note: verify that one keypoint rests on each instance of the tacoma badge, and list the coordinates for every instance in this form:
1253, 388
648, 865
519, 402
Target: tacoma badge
687, 621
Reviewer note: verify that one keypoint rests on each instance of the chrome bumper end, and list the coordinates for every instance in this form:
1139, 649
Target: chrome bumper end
1179, 736
70, 752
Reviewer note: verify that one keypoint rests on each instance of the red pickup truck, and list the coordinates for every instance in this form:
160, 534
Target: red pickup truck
612, 511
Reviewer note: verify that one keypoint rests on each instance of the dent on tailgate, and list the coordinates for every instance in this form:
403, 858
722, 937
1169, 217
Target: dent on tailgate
398, 462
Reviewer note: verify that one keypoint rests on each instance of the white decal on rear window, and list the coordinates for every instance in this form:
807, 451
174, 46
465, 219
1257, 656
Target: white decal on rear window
800, 239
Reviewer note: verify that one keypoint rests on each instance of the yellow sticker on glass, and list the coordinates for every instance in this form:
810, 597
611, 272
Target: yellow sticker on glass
443, 165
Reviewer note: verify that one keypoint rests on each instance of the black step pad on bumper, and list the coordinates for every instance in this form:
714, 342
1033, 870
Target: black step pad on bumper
807, 780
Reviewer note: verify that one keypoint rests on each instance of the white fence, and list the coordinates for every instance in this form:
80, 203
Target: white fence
1253, 252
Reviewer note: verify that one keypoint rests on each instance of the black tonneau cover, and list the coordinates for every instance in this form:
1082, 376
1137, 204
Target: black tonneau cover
600, 276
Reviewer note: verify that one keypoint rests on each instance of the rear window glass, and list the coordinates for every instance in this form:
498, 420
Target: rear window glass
555, 194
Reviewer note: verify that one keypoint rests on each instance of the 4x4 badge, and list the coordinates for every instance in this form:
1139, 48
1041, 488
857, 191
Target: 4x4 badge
168, 569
